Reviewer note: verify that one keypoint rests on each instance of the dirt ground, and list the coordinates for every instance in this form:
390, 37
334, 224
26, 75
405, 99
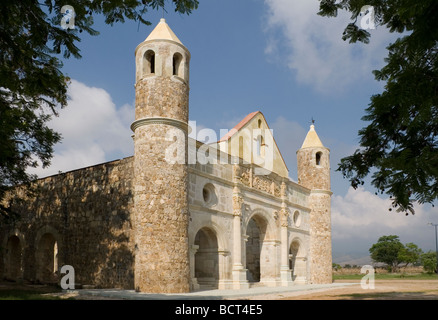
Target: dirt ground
384, 290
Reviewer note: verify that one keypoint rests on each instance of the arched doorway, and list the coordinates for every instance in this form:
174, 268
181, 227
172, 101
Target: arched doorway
253, 249
13, 266
47, 258
255, 232
207, 258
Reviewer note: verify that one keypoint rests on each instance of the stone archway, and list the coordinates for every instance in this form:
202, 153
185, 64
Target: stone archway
206, 258
261, 248
13, 258
254, 240
260, 251
47, 258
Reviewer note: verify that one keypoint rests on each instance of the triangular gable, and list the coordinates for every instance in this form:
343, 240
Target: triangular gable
252, 140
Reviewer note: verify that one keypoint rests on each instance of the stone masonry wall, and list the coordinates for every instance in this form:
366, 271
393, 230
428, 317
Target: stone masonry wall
314, 173
160, 169
87, 213
320, 238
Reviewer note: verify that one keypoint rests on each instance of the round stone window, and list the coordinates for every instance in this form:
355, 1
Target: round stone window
209, 195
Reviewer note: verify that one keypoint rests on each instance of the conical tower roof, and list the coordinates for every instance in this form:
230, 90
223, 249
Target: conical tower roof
312, 140
163, 32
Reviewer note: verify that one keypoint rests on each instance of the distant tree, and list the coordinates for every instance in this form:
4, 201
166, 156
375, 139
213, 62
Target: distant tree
428, 261
33, 37
387, 250
336, 266
400, 142
410, 254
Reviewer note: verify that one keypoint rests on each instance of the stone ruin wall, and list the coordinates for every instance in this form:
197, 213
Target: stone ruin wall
88, 213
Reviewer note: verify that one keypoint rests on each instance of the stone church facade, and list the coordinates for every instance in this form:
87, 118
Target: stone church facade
179, 215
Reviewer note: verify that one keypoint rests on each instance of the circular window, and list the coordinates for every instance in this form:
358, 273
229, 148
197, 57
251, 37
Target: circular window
209, 195
297, 219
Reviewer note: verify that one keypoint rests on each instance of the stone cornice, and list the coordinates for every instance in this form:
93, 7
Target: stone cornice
320, 191
159, 120
158, 41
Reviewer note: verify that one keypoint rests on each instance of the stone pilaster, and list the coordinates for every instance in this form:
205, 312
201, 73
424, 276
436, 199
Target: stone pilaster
238, 271
285, 272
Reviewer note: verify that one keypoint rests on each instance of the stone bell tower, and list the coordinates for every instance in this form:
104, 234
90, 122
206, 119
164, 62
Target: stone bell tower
160, 163
314, 173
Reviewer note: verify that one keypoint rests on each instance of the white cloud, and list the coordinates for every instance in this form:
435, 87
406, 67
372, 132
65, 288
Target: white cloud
93, 130
314, 47
360, 217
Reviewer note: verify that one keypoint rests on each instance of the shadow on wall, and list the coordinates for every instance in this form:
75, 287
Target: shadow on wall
79, 218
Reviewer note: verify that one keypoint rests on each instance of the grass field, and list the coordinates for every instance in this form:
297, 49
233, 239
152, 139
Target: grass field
17, 291
388, 276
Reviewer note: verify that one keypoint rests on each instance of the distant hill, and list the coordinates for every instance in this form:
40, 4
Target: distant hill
352, 260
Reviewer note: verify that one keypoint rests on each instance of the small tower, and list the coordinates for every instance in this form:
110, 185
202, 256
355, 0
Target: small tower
160, 163
314, 173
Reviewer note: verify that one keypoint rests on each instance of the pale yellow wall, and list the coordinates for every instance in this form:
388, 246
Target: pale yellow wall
272, 159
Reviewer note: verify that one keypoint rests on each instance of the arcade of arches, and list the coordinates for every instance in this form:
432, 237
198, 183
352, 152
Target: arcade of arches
257, 258
46, 258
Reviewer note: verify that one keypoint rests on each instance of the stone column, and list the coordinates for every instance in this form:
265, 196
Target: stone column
285, 272
239, 272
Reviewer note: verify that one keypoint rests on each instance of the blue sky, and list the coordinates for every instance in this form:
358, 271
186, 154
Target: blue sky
275, 56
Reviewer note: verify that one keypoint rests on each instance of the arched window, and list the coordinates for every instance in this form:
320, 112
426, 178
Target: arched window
176, 63
259, 124
149, 62
318, 158
241, 148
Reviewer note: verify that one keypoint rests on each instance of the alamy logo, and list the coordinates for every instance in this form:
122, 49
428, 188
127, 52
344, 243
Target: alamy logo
367, 21
367, 281
68, 281
258, 148
68, 17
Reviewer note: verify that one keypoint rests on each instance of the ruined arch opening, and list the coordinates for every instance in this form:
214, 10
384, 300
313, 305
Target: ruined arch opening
47, 258
149, 62
255, 232
207, 258
13, 265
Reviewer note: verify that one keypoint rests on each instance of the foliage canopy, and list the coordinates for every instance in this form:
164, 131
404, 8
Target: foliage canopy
399, 146
32, 85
